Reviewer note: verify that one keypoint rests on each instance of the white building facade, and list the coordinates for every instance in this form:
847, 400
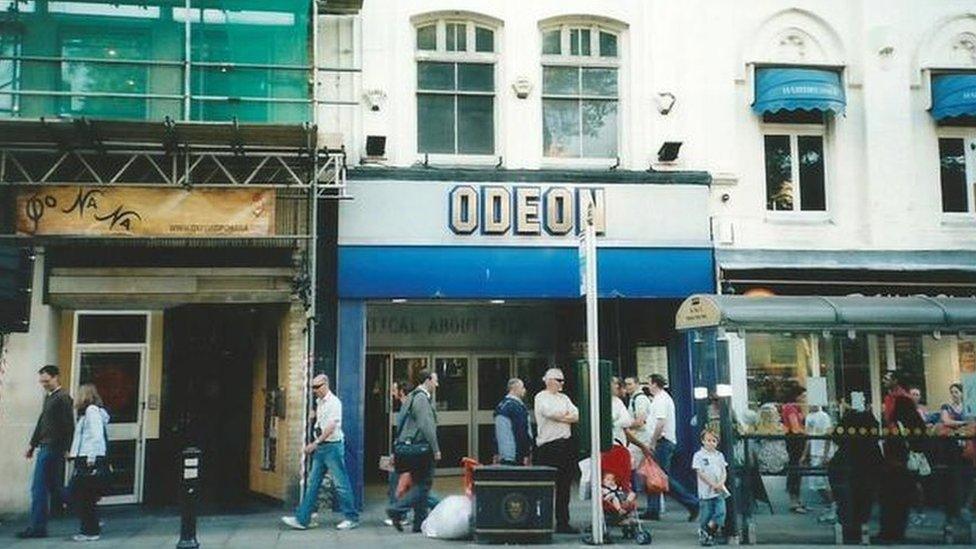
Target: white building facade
679, 72
864, 191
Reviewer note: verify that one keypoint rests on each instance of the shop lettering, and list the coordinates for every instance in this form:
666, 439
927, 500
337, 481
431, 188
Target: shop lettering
443, 325
86, 202
497, 210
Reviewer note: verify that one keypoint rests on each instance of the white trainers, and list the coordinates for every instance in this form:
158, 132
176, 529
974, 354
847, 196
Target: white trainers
347, 525
388, 522
85, 537
293, 523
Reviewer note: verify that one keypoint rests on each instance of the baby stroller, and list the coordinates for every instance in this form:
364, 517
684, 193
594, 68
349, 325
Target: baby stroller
616, 461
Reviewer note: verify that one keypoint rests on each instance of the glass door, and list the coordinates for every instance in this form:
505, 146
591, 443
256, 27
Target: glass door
453, 403
403, 368
110, 352
493, 374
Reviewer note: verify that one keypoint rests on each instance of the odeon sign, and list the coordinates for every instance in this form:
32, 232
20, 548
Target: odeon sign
525, 210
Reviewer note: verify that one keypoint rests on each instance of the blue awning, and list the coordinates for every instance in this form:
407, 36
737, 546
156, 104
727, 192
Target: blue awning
953, 95
795, 89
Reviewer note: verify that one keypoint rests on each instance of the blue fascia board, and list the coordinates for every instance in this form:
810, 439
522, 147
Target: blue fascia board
497, 272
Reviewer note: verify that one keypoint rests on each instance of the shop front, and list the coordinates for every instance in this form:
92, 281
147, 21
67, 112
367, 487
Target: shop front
756, 361
475, 275
172, 280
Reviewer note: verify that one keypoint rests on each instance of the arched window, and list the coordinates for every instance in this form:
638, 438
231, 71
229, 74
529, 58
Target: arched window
580, 90
455, 86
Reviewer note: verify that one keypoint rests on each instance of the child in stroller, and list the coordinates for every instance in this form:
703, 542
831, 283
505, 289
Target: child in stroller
619, 499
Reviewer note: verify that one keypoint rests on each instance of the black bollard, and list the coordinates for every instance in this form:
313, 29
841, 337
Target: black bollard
188, 501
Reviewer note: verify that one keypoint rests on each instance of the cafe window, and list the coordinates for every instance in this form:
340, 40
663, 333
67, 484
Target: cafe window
455, 88
833, 371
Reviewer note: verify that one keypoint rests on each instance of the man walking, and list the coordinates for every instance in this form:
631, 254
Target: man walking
664, 443
512, 431
554, 414
328, 452
640, 432
51, 439
418, 425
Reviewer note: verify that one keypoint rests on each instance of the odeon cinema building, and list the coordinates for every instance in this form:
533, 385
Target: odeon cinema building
475, 275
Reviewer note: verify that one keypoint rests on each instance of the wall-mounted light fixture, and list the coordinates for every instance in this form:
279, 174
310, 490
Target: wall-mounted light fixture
375, 146
669, 151
522, 87
665, 102
374, 98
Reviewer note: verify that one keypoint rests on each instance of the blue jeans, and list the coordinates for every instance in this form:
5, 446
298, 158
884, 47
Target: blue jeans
47, 463
394, 479
417, 498
712, 510
331, 457
663, 453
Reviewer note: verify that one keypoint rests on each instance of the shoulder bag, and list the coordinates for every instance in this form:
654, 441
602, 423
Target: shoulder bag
411, 455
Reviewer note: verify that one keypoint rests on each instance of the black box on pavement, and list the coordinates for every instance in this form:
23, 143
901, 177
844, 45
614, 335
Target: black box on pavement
514, 504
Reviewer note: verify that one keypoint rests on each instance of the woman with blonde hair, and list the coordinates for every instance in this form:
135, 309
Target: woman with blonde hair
88, 451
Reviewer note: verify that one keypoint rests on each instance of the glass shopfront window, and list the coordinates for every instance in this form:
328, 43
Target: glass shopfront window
248, 60
841, 372
832, 371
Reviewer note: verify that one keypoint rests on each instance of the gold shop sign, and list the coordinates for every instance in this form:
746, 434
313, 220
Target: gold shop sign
142, 211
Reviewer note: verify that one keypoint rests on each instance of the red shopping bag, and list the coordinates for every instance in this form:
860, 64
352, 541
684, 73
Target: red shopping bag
655, 479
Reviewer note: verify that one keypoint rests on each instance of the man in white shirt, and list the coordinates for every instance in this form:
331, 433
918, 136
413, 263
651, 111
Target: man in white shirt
328, 453
621, 418
664, 442
554, 415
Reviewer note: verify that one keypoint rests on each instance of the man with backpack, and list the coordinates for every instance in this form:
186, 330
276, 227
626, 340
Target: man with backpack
416, 450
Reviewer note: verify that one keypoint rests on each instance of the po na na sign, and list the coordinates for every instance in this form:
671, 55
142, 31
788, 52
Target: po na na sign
526, 210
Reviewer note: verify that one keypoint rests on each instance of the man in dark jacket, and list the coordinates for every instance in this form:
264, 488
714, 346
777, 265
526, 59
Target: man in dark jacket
512, 432
418, 424
51, 439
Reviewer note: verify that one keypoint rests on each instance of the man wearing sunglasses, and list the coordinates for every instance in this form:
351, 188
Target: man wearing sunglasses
554, 414
328, 453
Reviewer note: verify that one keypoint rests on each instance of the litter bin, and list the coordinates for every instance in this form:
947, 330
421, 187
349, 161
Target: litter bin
514, 504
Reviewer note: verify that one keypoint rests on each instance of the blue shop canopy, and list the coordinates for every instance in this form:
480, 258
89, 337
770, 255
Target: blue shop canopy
795, 89
953, 95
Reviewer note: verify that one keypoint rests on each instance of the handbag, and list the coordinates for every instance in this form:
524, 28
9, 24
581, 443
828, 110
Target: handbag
917, 462
411, 455
655, 479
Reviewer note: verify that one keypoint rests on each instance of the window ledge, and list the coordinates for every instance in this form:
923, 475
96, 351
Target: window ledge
799, 218
964, 220
461, 160
579, 163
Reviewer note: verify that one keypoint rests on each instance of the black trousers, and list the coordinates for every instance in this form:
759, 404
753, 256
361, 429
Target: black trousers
560, 454
794, 448
896, 496
86, 490
855, 491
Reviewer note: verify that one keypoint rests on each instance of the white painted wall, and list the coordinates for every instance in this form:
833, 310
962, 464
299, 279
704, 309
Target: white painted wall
883, 178
21, 397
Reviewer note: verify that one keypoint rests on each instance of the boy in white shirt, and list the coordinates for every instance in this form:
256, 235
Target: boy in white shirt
710, 466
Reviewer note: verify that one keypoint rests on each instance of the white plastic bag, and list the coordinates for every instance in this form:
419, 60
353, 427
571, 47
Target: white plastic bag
584, 483
451, 519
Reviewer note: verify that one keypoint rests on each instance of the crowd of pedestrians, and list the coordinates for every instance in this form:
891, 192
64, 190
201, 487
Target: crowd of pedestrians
913, 465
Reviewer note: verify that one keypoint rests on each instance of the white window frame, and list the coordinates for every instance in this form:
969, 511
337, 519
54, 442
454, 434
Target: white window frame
135, 431
794, 131
442, 55
968, 136
593, 60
